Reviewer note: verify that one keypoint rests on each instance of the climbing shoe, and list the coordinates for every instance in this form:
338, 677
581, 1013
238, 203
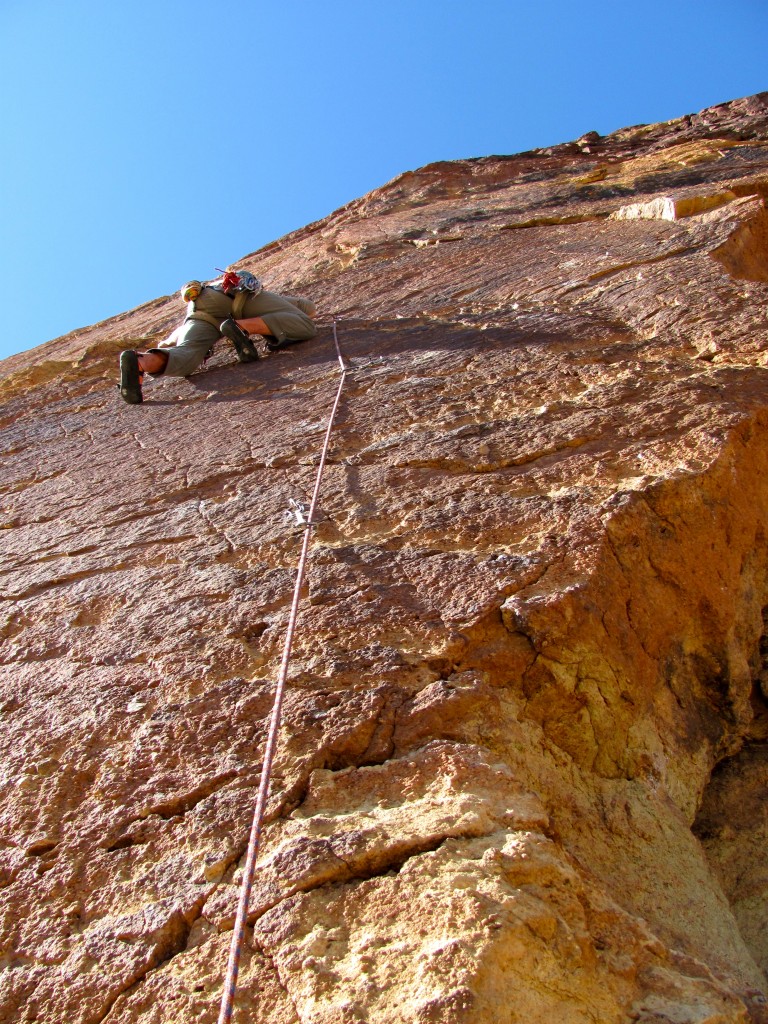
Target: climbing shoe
130, 378
246, 350
272, 344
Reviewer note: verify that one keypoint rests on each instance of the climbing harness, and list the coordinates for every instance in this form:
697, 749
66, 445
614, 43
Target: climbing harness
233, 965
209, 318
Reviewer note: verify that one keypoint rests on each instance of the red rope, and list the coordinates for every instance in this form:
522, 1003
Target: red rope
233, 966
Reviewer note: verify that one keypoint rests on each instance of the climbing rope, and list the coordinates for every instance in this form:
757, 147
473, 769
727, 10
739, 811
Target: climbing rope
233, 966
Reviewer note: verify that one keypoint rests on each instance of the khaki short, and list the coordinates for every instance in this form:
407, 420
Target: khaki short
285, 315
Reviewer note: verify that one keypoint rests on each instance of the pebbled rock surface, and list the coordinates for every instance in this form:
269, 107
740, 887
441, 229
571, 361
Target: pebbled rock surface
522, 767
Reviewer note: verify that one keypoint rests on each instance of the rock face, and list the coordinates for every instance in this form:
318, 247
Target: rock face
522, 766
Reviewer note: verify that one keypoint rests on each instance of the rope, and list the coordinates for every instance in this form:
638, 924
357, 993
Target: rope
233, 966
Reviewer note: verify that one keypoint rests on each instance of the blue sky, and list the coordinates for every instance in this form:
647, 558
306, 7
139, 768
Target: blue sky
147, 143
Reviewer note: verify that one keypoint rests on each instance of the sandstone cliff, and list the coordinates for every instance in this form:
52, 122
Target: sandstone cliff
522, 769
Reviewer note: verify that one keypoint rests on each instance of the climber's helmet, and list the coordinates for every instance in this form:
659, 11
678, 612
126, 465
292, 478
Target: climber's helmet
191, 290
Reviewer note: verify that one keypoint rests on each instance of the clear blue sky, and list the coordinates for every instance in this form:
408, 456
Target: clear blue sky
146, 143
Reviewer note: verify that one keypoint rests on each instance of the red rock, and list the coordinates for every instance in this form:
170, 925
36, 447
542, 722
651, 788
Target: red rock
521, 764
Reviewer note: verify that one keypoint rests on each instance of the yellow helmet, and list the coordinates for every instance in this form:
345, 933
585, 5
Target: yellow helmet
191, 290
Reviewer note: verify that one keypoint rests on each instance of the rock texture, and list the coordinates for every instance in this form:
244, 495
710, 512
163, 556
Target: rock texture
522, 768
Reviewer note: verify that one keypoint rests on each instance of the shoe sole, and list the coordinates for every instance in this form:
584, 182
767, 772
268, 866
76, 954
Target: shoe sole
246, 350
130, 385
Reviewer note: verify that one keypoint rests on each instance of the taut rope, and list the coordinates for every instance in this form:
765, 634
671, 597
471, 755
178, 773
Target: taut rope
233, 966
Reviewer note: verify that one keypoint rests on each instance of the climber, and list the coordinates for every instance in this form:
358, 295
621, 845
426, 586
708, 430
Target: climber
233, 306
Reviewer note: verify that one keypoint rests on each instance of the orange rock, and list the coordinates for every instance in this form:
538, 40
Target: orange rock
520, 773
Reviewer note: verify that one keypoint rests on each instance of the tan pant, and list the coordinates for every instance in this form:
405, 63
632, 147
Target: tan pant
285, 315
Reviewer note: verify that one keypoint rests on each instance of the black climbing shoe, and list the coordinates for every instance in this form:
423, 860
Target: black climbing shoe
273, 344
246, 350
130, 378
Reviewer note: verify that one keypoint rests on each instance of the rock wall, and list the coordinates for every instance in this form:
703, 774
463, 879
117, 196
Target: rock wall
521, 773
